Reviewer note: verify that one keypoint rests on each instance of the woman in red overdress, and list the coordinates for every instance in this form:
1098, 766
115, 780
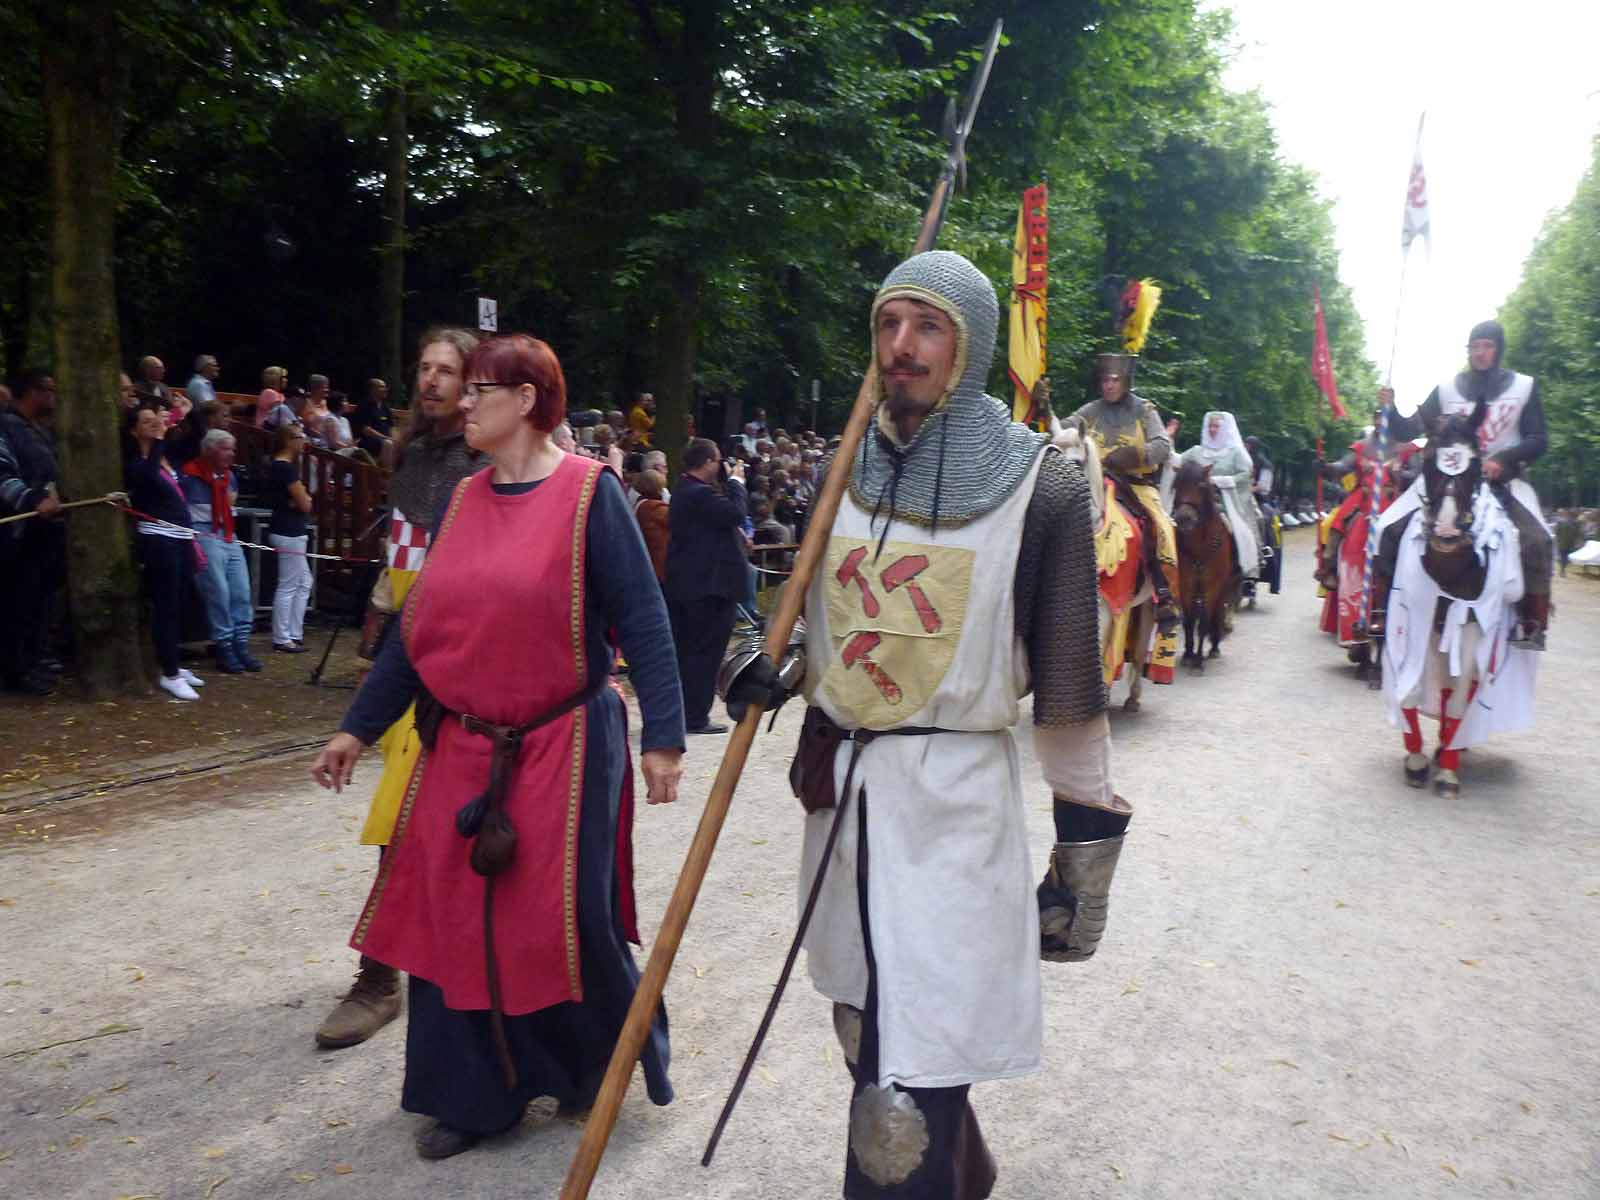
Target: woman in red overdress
507, 891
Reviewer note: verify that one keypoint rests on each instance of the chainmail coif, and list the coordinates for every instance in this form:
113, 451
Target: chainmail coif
968, 455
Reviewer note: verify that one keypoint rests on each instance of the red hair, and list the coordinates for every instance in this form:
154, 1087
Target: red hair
519, 358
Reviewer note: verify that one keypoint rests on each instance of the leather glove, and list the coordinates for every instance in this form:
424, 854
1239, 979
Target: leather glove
1123, 458
759, 683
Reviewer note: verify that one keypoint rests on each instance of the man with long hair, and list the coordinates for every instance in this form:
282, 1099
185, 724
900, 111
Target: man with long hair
433, 457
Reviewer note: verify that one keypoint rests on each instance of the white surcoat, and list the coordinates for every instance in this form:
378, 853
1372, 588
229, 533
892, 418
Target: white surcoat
1501, 428
923, 634
1415, 669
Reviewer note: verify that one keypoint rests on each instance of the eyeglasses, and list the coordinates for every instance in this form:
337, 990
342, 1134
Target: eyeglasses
477, 388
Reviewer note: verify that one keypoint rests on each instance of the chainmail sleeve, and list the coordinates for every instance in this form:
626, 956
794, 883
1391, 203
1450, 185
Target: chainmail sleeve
1057, 602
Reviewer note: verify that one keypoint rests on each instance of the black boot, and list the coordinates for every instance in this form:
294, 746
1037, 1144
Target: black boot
241, 651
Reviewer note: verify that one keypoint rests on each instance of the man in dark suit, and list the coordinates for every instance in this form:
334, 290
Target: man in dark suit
706, 573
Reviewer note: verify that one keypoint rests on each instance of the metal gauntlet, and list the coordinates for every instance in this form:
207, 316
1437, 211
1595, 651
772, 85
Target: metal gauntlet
748, 676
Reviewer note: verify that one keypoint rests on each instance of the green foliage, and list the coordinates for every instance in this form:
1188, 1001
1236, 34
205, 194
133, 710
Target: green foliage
1552, 323
707, 183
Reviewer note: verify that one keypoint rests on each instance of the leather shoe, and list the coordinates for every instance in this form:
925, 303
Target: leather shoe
288, 648
708, 727
438, 1140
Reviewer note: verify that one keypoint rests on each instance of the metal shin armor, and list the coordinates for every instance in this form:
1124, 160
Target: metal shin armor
847, 1025
1074, 897
888, 1134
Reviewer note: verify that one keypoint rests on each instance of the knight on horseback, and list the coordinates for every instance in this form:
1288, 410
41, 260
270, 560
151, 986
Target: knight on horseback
1509, 418
1126, 429
1222, 449
1342, 558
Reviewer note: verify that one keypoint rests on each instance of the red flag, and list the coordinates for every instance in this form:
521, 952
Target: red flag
1322, 362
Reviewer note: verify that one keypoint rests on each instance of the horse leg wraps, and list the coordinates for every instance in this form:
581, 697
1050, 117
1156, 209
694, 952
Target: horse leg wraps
1450, 725
1413, 731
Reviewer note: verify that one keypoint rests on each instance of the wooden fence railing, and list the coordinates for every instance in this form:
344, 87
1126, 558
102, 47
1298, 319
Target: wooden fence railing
347, 497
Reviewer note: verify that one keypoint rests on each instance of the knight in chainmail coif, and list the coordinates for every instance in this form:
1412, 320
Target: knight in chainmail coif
434, 457
958, 575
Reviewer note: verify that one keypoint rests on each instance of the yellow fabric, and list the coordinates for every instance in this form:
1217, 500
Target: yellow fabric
399, 745
906, 657
1029, 294
1165, 651
642, 423
1137, 326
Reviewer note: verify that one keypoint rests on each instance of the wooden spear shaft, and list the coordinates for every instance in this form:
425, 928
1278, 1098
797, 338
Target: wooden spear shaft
646, 999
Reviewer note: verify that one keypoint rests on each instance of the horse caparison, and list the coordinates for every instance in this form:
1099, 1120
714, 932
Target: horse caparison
1205, 562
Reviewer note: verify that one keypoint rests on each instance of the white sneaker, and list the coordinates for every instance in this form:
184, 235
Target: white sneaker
190, 677
179, 688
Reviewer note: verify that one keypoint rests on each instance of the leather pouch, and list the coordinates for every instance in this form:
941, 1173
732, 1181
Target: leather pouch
811, 771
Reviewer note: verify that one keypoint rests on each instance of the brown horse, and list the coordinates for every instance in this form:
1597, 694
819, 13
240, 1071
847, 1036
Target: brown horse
1206, 577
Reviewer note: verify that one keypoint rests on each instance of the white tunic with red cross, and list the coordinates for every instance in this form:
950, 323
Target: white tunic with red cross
923, 634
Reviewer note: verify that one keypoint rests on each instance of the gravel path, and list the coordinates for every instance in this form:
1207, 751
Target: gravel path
1316, 982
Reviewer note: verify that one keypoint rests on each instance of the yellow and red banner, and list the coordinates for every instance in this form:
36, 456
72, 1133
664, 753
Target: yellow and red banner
1030, 263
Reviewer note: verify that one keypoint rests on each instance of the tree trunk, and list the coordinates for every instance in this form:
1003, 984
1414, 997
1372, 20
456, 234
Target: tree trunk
392, 254
85, 71
690, 67
677, 345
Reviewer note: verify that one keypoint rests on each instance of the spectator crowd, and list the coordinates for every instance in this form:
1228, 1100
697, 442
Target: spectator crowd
182, 476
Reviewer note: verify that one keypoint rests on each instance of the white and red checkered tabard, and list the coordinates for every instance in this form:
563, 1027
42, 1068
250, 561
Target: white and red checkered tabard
408, 543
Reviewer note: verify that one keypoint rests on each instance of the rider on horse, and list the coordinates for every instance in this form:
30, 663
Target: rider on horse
1222, 449
1511, 434
1126, 429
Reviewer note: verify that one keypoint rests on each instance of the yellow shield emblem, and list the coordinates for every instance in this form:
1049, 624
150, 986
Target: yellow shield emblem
894, 621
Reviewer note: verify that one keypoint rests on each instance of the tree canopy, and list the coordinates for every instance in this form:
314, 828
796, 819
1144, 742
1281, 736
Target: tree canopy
694, 197
1552, 323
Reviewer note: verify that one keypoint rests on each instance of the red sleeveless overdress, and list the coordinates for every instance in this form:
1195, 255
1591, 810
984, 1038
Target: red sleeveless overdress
495, 628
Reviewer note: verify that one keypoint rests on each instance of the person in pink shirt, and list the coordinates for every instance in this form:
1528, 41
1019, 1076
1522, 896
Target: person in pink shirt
272, 381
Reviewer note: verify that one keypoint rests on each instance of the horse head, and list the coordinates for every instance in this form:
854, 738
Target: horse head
1194, 499
1452, 471
1075, 447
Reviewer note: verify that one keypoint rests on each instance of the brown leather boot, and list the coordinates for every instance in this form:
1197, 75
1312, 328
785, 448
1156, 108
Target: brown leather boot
370, 1004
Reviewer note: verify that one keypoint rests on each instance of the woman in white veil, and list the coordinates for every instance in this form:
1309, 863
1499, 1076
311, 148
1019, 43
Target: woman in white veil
1222, 449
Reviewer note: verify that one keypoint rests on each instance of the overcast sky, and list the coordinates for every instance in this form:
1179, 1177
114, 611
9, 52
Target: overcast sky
1512, 94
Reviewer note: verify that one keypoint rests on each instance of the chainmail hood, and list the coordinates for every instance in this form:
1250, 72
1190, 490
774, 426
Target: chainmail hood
1483, 386
968, 455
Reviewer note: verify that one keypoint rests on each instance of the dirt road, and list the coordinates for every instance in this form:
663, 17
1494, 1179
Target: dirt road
1316, 982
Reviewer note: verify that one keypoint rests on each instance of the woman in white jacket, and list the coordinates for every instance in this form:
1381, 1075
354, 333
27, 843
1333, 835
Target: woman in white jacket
1222, 449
